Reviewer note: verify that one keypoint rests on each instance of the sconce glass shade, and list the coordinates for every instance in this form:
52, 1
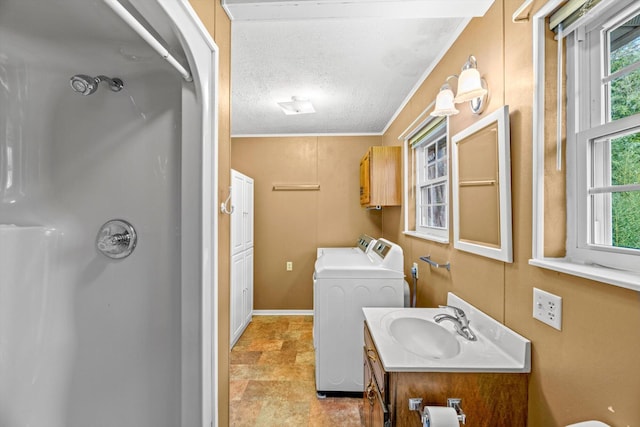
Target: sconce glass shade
444, 102
469, 83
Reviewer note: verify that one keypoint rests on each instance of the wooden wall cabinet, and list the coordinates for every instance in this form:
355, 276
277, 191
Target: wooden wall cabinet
488, 399
380, 177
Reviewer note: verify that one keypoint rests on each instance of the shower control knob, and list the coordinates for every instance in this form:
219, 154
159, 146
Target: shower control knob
116, 239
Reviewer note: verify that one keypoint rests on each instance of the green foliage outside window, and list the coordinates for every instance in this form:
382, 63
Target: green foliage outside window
625, 151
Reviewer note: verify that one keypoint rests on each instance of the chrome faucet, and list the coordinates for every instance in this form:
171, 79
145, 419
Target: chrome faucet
460, 322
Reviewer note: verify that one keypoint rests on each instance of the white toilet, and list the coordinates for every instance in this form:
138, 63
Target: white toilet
589, 424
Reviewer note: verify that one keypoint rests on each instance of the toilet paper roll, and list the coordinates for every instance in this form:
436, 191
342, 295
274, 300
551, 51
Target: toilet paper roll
442, 416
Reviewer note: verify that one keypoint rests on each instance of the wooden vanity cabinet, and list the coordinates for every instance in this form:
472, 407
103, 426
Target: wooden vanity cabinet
380, 179
488, 399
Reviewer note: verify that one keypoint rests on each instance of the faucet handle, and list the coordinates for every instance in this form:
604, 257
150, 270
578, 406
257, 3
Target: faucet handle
458, 311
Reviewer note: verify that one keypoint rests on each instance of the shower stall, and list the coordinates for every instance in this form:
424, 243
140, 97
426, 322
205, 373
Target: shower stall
107, 232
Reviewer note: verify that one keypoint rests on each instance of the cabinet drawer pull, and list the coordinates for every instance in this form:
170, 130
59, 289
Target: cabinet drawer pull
371, 393
371, 354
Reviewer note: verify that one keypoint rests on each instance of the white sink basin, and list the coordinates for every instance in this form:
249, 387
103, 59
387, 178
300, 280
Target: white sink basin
424, 338
409, 340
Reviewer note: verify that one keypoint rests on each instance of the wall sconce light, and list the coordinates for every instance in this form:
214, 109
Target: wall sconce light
297, 105
471, 87
469, 82
444, 101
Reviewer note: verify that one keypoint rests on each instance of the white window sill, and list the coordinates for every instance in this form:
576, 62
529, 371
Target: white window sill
621, 278
423, 236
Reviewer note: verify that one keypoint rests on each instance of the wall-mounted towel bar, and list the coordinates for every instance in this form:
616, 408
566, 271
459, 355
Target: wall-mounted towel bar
428, 260
296, 187
478, 183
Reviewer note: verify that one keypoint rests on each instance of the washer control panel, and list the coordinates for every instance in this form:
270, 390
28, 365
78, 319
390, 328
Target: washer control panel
364, 242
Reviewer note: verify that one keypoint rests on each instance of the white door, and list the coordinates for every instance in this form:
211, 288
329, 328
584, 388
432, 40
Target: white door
248, 286
237, 216
247, 216
237, 296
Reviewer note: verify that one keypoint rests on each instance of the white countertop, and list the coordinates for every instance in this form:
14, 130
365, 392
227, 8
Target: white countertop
498, 348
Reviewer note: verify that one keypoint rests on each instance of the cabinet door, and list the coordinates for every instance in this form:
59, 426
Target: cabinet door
374, 408
384, 176
237, 296
237, 216
247, 214
365, 179
380, 183
247, 309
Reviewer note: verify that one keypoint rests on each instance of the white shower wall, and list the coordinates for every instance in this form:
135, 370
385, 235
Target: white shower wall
86, 340
34, 334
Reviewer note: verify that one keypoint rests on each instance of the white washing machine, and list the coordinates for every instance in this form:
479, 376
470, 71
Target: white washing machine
342, 286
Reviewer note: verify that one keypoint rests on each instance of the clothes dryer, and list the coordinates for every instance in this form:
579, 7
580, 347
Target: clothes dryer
343, 285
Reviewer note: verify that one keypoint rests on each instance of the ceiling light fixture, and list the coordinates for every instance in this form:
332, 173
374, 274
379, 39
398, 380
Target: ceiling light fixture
297, 105
471, 87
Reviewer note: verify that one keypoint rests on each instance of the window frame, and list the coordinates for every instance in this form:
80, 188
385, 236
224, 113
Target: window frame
583, 248
587, 262
591, 58
433, 139
411, 184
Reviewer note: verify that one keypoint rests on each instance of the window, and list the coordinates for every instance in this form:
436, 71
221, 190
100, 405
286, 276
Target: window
603, 140
429, 151
606, 134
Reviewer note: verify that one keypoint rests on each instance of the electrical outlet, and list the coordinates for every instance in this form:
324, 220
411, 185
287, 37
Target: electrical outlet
415, 266
289, 265
547, 308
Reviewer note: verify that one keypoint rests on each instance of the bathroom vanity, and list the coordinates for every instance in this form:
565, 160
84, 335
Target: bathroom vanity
405, 357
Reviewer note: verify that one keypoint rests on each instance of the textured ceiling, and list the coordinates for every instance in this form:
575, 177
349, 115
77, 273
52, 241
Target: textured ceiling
356, 71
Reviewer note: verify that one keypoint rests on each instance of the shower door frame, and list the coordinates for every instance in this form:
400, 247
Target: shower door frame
199, 221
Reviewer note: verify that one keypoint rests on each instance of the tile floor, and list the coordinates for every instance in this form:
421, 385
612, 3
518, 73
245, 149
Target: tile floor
272, 378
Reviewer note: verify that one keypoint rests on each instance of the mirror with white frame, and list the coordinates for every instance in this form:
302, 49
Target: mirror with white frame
481, 184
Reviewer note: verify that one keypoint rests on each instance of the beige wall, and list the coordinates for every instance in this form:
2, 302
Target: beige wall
290, 225
219, 26
590, 369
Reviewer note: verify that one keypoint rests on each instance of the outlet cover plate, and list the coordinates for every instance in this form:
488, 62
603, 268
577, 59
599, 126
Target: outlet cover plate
547, 308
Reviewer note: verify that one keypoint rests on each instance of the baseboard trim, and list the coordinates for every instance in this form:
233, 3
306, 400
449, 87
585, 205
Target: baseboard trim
283, 312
